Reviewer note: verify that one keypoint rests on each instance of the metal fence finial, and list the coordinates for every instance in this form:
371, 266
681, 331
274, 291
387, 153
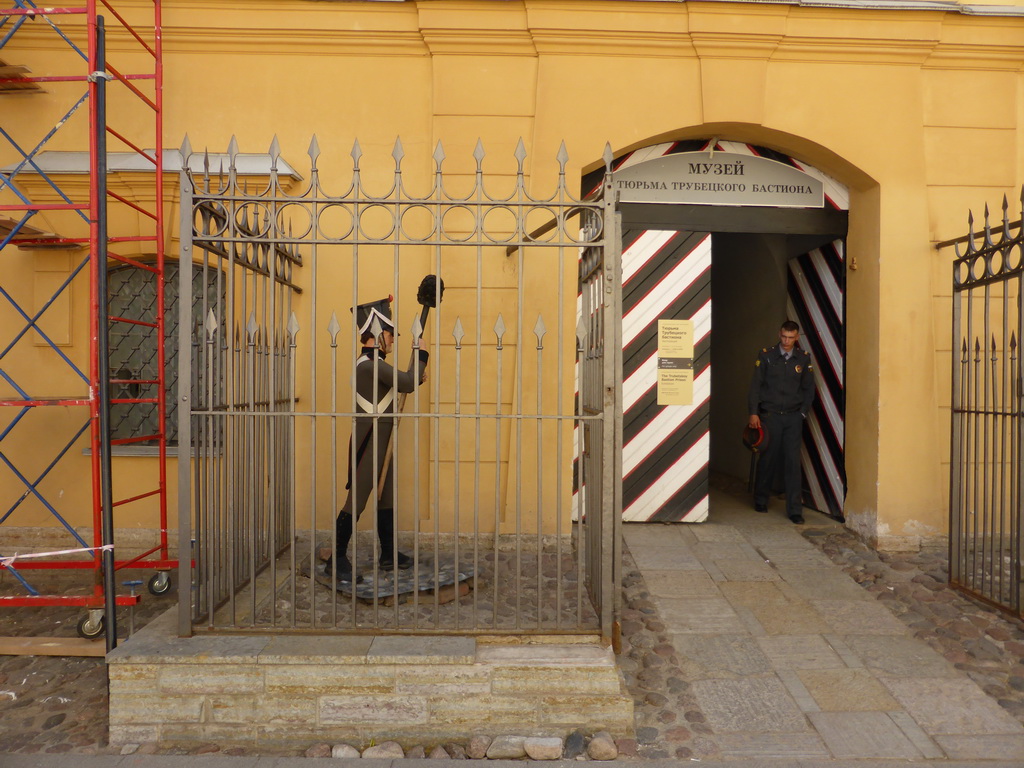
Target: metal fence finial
313, 152
458, 333
563, 158
251, 328
293, 328
539, 330
186, 152
333, 328
210, 325
1006, 218
608, 158
398, 153
478, 155
357, 153
438, 155
275, 154
499, 329
520, 155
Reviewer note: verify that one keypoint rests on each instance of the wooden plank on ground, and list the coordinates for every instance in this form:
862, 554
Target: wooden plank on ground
51, 646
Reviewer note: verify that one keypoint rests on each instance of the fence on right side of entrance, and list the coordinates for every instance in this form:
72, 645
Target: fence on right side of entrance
986, 535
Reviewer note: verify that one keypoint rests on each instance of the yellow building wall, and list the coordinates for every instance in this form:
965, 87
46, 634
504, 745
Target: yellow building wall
919, 113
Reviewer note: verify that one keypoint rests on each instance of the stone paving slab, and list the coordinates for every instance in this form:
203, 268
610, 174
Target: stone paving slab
749, 705
751, 748
924, 743
899, 656
677, 584
747, 570
792, 619
863, 735
800, 652
701, 615
725, 656
859, 617
750, 594
818, 584
794, 556
666, 558
847, 690
951, 706
988, 747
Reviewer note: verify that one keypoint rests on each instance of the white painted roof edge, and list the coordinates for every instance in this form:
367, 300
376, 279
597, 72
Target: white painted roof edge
55, 161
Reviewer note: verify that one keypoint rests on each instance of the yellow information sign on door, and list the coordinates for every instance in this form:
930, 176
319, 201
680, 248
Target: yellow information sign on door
675, 362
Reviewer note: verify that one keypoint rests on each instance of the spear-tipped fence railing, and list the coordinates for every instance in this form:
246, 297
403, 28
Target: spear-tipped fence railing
503, 536
986, 471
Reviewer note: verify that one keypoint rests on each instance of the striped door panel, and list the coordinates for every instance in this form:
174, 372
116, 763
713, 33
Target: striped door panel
665, 449
816, 288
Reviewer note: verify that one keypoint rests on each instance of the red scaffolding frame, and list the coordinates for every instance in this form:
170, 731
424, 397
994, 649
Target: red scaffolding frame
80, 28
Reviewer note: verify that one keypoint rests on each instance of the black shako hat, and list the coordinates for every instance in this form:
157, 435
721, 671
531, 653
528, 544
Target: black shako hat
375, 311
755, 438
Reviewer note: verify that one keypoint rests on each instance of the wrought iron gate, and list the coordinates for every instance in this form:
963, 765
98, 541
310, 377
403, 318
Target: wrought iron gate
985, 530
483, 451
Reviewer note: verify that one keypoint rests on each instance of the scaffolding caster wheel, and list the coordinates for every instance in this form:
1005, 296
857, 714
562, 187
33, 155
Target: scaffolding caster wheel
159, 583
91, 625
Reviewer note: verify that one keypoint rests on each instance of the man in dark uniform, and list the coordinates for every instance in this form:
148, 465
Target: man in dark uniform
780, 397
377, 385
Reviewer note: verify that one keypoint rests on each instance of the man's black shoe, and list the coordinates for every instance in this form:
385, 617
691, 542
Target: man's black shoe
797, 519
760, 507
388, 563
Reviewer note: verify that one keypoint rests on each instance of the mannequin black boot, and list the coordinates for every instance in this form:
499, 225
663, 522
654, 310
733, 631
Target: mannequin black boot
386, 533
343, 532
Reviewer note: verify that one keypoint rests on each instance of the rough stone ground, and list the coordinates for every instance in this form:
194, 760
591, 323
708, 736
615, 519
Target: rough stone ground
58, 705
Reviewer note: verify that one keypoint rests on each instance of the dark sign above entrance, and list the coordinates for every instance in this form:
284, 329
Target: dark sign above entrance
719, 178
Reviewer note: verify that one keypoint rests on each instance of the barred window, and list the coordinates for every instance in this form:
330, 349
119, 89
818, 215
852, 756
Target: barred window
133, 349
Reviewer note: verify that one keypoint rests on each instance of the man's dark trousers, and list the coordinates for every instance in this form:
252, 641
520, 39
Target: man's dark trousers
785, 434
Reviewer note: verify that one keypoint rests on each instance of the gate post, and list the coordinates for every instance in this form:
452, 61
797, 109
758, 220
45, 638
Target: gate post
183, 395
611, 476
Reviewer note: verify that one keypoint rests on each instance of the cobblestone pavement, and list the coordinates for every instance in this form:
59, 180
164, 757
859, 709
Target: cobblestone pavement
58, 705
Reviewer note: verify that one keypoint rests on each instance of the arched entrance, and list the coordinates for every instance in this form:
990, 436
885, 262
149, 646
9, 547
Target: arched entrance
726, 239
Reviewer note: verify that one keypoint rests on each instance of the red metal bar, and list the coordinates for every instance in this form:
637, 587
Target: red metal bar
50, 207
127, 81
158, 71
139, 151
130, 204
128, 27
89, 601
136, 439
66, 78
42, 11
133, 262
139, 239
136, 498
39, 403
129, 321
80, 565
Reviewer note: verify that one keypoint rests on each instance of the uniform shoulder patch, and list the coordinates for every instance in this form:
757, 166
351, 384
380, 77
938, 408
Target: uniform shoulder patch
757, 362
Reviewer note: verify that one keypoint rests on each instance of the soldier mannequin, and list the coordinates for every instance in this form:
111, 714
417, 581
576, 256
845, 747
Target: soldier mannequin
780, 397
375, 380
